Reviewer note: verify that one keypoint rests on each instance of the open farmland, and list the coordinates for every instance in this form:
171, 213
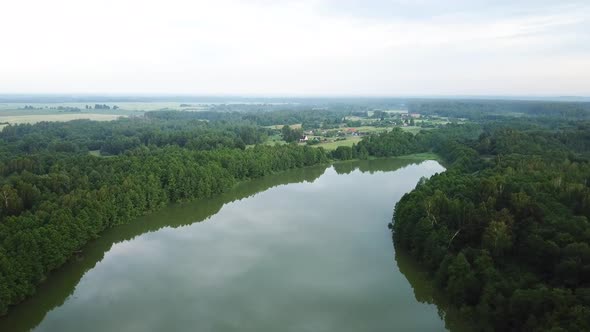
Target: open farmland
124, 107
278, 127
349, 141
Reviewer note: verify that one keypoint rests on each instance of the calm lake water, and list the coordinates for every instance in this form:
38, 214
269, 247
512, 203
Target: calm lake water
304, 250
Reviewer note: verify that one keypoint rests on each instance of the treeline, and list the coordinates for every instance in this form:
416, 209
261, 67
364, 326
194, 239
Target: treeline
515, 190
183, 215
52, 204
396, 142
116, 137
505, 230
328, 115
291, 134
498, 109
308, 117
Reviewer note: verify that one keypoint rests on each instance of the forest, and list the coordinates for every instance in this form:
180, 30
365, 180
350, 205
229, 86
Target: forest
55, 196
497, 109
504, 232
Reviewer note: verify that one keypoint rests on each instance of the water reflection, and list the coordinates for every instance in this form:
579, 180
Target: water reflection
62, 282
425, 292
317, 244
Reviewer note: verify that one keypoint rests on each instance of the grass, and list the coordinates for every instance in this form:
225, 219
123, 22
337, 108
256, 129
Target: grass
348, 141
396, 111
333, 145
123, 106
355, 118
369, 129
275, 140
293, 126
439, 121
359, 118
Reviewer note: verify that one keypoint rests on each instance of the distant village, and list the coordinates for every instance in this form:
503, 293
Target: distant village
361, 124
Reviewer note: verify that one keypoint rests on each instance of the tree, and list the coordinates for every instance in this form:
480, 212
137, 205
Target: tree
11, 203
291, 135
497, 238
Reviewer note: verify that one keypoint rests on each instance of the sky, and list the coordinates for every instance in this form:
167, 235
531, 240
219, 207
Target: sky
296, 48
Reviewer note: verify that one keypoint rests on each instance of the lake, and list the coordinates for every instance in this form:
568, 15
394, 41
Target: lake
303, 250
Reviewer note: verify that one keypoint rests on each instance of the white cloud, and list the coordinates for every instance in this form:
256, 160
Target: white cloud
292, 47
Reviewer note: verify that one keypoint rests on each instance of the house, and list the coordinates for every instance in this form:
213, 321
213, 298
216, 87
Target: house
303, 139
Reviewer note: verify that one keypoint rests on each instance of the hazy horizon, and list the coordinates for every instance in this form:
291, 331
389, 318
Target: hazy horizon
173, 97
309, 48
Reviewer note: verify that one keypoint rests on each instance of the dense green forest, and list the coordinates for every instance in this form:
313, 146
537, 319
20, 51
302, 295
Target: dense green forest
505, 230
53, 200
308, 117
396, 142
115, 137
497, 109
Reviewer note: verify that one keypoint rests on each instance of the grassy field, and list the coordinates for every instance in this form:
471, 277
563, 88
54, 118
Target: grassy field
440, 121
358, 118
333, 145
396, 111
275, 140
123, 106
293, 126
354, 118
370, 129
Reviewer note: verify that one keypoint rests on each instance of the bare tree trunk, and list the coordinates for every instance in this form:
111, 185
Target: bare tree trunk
451, 240
5, 195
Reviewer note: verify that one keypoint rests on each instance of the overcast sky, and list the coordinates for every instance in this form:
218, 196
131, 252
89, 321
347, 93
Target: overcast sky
294, 48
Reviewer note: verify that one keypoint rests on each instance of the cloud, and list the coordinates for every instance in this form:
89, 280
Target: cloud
295, 47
